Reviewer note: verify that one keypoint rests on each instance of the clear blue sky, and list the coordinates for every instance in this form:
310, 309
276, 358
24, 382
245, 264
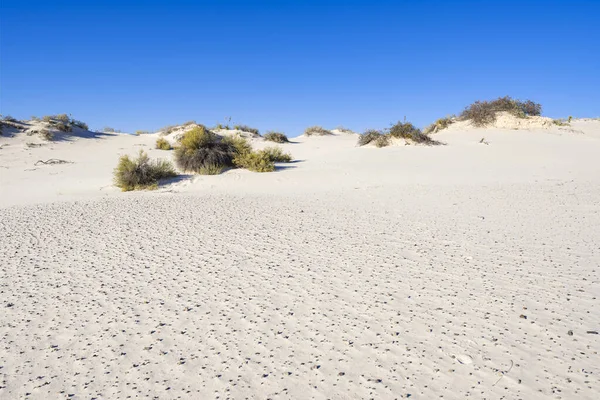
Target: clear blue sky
286, 65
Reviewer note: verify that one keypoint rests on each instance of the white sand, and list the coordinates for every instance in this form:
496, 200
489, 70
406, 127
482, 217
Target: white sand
353, 273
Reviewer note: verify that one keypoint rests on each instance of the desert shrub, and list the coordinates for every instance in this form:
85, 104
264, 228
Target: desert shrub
108, 129
239, 147
316, 131
47, 118
141, 132
438, 125
276, 137
80, 124
256, 161
46, 134
187, 123
570, 119
167, 129
221, 126
141, 173
343, 129
368, 136
64, 118
8, 118
246, 128
406, 130
382, 141
201, 150
482, 113
61, 126
163, 144
35, 119
560, 122
276, 154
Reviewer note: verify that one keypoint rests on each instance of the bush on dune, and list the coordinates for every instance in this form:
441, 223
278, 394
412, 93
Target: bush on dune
368, 136
276, 137
141, 173
406, 130
256, 161
163, 144
246, 128
316, 131
276, 154
439, 125
202, 151
482, 113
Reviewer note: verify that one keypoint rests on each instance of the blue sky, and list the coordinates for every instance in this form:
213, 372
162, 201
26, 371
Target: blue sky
285, 65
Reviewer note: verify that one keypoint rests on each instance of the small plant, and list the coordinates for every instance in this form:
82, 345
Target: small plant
201, 150
141, 173
276, 137
368, 136
46, 134
570, 118
406, 130
246, 128
483, 141
47, 118
80, 124
163, 144
343, 130
240, 147
8, 118
438, 125
382, 141
64, 118
559, 122
108, 129
61, 126
140, 132
276, 154
316, 131
35, 119
188, 123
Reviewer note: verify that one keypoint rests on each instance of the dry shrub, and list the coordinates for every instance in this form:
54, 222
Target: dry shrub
276, 137
141, 172
482, 113
368, 136
80, 124
163, 144
439, 125
61, 126
46, 134
382, 141
256, 161
246, 128
343, 129
316, 131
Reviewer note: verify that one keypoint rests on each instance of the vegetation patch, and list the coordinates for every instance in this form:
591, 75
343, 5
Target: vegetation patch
141, 172
276, 137
200, 151
276, 154
316, 131
368, 136
246, 128
163, 144
406, 130
483, 113
343, 129
439, 125
46, 134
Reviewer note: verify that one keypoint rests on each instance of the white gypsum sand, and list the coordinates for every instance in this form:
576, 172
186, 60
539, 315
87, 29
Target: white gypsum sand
469, 269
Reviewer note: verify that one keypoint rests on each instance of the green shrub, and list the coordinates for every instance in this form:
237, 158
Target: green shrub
570, 118
201, 150
276, 137
141, 172
482, 113
316, 131
64, 118
163, 144
256, 161
246, 128
406, 130
368, 136
438, 125
61, 126
276, 154
239, 144
560, 122
210, 170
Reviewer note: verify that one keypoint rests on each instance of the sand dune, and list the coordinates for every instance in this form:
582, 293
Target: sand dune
465, 270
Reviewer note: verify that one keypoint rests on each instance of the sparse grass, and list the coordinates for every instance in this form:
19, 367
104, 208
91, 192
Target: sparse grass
201, 150
340, 128
191, 122
46, 134
140, 132
141, 173
210, 170
560, 122
108, 129
276, 137
316, 131
439, 125
482, 113
163, 144
368, 136
276, 154
246, 128
219, 127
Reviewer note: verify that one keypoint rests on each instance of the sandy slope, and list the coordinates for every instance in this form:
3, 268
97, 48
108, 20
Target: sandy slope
455, 271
